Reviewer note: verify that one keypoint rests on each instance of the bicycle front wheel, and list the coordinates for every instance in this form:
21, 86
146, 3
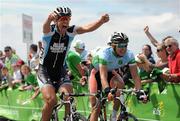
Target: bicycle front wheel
54, 116
129, 117
77, 117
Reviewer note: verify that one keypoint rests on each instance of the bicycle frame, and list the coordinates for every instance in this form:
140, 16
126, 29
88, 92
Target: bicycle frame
124, 115
70, 102
101, 105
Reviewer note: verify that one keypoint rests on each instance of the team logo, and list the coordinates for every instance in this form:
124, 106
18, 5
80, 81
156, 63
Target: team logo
120, 62
58, 48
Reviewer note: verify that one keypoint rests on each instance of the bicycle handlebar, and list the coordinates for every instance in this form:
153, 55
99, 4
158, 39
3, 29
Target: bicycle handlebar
76, 94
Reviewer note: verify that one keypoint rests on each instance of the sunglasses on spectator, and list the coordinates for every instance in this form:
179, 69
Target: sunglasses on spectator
122, 45
168, 46
158, 50
6, 50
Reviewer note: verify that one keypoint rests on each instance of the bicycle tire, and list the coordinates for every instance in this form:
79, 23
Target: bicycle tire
130, 117
54, 116
77, 117
100, 118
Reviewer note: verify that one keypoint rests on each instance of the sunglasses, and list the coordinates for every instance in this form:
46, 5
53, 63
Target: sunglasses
158, 50
168, 46
64, 18
6, 50
122, 45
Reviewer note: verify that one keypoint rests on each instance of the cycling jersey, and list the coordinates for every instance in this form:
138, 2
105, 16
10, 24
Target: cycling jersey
54, 50
107, 57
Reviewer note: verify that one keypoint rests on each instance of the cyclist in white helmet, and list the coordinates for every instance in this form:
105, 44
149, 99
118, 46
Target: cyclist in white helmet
56, 42
103, 75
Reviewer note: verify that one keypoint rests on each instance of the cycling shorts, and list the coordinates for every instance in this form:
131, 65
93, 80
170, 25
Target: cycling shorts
95, 81
44, 78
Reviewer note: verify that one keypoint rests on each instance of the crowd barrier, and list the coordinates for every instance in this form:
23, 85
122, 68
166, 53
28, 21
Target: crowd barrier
164, 106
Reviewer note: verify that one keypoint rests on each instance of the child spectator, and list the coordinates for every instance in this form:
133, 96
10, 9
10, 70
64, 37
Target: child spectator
30, 80
6, 79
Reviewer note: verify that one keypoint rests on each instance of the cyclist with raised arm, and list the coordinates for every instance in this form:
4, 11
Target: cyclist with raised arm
104, 62
56, 42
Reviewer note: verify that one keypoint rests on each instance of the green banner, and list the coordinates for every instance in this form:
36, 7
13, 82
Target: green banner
164, 106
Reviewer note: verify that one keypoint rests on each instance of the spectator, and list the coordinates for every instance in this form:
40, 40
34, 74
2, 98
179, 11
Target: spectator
172, 47
6, 79
74, 65
147, 51
17, 75
147, 59
30, 80
2, 57
79, 47
10, 59
161, 50
33, 57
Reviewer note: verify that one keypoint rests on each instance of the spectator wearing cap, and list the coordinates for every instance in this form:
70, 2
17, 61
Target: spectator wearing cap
172, 47
79, 47
10, 59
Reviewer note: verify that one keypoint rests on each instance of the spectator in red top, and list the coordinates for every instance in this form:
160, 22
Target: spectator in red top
172, 47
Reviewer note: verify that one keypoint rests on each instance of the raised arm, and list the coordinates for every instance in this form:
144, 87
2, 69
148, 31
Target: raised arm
151, 38
94, 25
47, 23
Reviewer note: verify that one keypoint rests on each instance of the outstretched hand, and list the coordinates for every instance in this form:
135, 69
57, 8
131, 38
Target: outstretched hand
146, 29
53, 17
104, 18
83, 80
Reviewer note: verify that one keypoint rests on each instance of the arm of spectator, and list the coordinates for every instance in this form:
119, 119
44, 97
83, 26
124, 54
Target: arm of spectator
16, 81
159, 65
172, 77
94, 25
82, 72
151, 38
36, 93
145, 63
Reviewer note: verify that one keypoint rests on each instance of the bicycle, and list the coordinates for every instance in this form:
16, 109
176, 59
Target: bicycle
74, 115
124, 115
101, 101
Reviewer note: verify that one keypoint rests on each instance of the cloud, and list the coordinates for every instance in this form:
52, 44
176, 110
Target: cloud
125, 16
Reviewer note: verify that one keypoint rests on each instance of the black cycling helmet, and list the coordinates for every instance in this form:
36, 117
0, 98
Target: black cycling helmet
117, 38
62, 11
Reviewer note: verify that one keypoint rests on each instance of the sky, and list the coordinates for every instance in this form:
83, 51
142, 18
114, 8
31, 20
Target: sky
127, 16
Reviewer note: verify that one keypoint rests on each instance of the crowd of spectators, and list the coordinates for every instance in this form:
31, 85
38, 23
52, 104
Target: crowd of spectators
17, 73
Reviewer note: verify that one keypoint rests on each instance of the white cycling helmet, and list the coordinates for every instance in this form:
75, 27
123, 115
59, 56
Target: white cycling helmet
62, 11
117, 38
